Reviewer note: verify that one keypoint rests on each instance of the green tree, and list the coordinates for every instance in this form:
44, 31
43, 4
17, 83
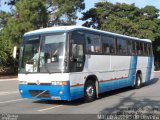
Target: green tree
126, 19
27, 15
62, 12
5, 44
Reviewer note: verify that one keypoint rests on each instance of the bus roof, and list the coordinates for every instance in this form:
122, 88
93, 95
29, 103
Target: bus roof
71, 28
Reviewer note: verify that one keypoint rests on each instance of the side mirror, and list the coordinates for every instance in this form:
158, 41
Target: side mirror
14, 52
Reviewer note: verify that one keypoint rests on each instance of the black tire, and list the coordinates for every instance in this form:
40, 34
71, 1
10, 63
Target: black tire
138, 82
89, 91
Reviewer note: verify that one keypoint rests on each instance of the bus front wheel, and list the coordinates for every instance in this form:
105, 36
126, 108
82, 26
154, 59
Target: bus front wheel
89, 91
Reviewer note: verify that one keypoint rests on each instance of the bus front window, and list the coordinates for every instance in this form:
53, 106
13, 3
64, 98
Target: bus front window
30, 54
53, 47
43, 54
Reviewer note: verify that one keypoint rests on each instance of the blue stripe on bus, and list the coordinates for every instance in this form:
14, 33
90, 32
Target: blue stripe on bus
76, 92
149, 68
53, 90
69, 93
133, 69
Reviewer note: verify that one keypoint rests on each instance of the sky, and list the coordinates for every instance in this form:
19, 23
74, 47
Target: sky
139, 3
91, 3
3, 6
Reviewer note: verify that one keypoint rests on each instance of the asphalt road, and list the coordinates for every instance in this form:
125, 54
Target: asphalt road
122, 101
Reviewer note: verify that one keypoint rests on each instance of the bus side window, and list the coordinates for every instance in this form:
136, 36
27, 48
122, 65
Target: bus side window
134, 50
149, 49
105, 45
121, 47
93, 43
142, 48
129, 47
108, 45
145, 49
77, 52
138, 47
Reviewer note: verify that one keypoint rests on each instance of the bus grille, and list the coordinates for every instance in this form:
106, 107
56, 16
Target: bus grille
40, 93
40, 84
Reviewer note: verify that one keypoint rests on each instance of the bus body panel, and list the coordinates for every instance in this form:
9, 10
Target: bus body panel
43, 82
45, 92
149, 71
96, 63
109, 79
142, 64
77, 85
43, 77
106, 70
116, 83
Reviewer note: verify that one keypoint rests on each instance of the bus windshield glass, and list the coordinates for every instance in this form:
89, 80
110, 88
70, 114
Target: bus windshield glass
43, 54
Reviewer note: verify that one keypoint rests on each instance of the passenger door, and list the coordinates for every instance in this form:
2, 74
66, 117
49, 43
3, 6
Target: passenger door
77, 56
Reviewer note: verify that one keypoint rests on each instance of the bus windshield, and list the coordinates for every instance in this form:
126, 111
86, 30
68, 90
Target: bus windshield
44, 54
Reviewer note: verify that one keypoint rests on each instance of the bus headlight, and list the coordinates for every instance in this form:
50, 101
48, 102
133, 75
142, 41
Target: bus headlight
59, 83
21, 91
61, 92
23, 82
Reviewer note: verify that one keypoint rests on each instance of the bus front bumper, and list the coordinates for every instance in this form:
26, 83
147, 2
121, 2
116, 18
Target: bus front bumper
45, 92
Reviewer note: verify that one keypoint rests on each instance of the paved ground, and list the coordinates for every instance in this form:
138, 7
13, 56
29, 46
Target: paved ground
144, 100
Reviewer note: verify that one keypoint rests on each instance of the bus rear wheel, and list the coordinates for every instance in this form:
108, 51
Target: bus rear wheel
138, 81
89, 91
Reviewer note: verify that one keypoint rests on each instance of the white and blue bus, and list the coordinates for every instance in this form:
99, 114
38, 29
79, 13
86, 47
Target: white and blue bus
71, 62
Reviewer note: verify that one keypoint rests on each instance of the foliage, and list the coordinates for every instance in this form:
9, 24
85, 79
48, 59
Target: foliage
62, 12
124, 19
65, 10
27, 15
5, 44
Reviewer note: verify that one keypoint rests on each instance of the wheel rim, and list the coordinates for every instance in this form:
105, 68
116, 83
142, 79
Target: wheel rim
90, 91
139, 82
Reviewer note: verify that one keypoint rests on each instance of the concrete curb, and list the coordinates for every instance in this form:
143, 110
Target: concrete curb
156, 71
8, 77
